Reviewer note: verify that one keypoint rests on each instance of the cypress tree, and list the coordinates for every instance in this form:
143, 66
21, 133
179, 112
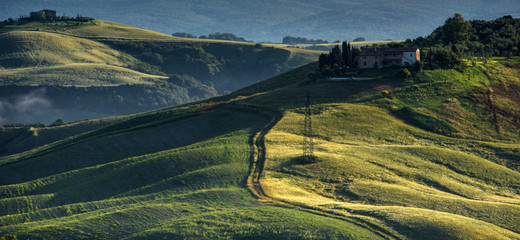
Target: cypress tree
323, 60
336, 57
349, 56
345, 53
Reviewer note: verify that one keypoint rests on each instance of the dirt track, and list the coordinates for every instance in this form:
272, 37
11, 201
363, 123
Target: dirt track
257, 168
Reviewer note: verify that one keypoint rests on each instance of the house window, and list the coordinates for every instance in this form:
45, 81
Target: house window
365, 63
411, 54
365, 57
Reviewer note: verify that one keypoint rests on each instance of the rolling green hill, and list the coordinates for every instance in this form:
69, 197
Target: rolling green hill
436, 158
130, 70
403, 169
183, 178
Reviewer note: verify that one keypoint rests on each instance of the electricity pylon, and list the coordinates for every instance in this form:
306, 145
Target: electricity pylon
308, 145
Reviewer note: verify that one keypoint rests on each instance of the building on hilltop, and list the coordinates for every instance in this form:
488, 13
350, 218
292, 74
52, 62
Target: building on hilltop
43, 15
383, 57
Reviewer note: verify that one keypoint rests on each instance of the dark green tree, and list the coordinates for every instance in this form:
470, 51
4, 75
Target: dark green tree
323, 61
445, 58
336, 56
455, 29
418, 66
345, 53
351, 54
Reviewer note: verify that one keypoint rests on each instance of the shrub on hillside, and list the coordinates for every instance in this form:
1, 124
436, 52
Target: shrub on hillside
58, 122
307, 160
425, 121
404, 73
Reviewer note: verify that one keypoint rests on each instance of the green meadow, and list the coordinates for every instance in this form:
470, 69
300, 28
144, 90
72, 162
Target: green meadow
169, 174
427, 160
431, 156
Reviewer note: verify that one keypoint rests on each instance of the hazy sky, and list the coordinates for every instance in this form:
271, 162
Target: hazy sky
271, 20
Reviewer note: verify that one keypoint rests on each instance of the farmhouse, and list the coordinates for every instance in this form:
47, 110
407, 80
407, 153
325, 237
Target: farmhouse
382, 57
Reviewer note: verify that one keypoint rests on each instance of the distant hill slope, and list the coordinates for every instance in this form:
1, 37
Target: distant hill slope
435, 158
105, 29
145, 70
272, 20
33, 48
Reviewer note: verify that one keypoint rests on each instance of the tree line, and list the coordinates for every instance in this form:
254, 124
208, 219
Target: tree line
475, 38
299, 40
339, 60
216, 36
26, 19
459, 38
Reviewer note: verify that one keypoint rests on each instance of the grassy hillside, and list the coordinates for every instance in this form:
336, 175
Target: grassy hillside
389, 160
387, 167
34, 48
169, 174
105, 54
79, 75
181, 173
104, 29
16, 140
227, 65
431, 156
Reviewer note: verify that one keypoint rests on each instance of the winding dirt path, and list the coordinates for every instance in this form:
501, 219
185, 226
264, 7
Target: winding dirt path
257, 168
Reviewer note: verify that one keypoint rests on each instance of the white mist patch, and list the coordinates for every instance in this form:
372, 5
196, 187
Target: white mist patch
33, 101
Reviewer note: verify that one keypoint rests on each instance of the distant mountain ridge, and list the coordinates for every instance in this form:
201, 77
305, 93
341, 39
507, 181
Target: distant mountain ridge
272, 20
